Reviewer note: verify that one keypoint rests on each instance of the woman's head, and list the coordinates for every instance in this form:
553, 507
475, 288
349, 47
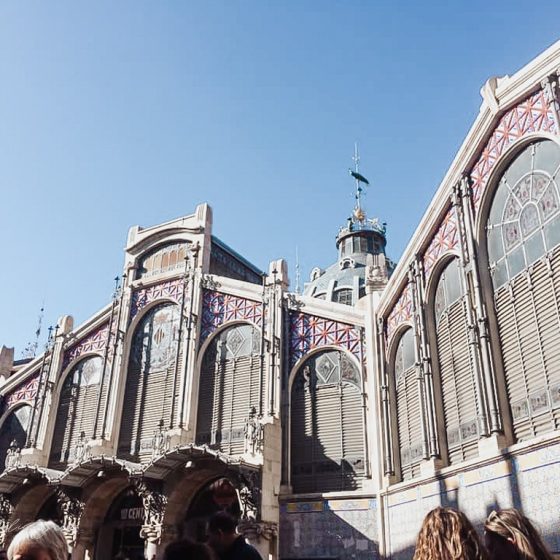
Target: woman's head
447, 534
510, 535
41, 540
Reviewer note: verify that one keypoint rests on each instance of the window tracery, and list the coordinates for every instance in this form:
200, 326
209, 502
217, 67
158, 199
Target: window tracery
524, 221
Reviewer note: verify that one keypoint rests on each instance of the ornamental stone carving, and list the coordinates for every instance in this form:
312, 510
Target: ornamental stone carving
154, 503
256, 530
71, 507
6, 510
13, 456
253, 432
249, 491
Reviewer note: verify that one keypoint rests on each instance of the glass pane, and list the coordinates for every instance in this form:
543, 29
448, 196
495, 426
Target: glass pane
522, 189
516, 261
498, 204
549, 201
552, 233
529, 220
534, 247
511, 235
499, 274
439, 305
520, 166
547, 156
408, 349
495, 245
453, 282
540, 182
512, 210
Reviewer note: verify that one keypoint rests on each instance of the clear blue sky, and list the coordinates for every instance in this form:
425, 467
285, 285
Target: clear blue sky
121, 113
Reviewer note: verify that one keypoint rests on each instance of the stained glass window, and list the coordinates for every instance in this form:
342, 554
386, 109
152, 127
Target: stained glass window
155, 341
524, 220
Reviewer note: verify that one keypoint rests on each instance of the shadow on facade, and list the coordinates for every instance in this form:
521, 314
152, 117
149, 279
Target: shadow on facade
314, 527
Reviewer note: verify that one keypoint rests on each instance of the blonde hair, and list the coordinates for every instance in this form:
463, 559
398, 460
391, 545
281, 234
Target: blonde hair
41, 535
447, 534
513, 526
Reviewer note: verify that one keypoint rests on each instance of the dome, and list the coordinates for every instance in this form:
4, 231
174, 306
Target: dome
344, 281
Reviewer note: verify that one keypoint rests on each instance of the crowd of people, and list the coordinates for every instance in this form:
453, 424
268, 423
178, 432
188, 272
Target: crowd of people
446, 534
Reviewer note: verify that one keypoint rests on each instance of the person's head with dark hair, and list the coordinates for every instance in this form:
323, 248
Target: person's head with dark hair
222, 531
510, 535
185, 548
226, 541
447, 534
222, 521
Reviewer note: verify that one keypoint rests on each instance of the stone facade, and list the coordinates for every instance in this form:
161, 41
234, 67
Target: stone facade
328, 425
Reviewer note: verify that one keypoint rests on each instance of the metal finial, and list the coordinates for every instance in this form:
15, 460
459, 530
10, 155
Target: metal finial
359, 178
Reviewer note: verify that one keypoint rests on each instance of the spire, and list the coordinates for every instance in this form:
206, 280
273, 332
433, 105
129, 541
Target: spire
358, 213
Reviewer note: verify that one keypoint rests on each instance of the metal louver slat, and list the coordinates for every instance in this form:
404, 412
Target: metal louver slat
228, 389
457, 382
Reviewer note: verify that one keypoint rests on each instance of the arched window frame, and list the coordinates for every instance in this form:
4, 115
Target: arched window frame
407, 462
513, 410
464, 437
296, 371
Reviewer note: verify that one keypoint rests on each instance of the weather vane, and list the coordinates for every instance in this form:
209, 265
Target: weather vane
359, 214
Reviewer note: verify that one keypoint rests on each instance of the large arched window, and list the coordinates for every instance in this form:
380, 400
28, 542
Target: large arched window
409, 421
163, 259
523, 240
327, 427
14, 428
77, 406
456, 372
152, 382
231, 384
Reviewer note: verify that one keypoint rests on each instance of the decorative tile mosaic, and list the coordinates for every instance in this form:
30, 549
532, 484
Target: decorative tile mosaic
172, 289
446, 239
24, 392
219, 308
401, 312
308, 332
528, 482
317, 529
535, 114
92, 342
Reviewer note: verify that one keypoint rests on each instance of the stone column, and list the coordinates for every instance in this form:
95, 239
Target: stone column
6, 510
482, 330
71, 507
416, 328
425, 359
154, 502
467, 268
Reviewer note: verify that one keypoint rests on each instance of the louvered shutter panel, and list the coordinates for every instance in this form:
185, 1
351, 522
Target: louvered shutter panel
409, 424
327, 429
76, 411
528, 317
154, 367
328, 441
458, 384
228, 388
301, 437
352, 436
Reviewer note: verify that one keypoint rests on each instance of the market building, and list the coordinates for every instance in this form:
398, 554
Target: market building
328, 422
